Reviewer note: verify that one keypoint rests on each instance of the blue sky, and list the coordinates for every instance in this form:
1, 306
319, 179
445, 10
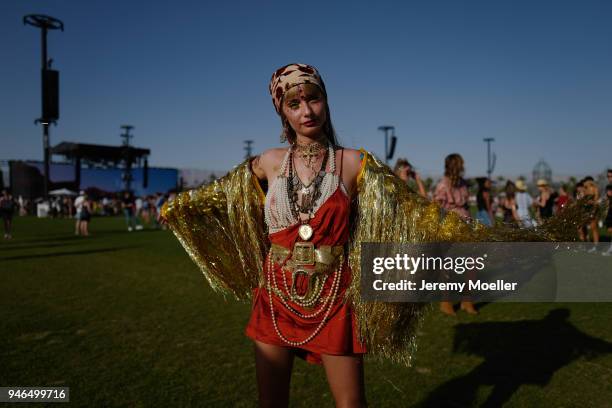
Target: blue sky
192, 78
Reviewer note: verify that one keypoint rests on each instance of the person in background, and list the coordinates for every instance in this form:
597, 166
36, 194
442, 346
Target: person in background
159, 203
7, 208
138, 207
484, 202
145, 210
451, 191
78, 206
563, 199
579, 194
21, 206
545, 201
127, 204
106, 210
591, 192
509, 205
609, 176
608, 222
523, 203
404, 170
86, 210
452, 194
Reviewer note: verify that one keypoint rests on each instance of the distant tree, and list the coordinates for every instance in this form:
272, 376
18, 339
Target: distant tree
428, 182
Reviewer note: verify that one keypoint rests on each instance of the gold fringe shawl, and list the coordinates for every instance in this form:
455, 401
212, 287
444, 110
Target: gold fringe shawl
221, 226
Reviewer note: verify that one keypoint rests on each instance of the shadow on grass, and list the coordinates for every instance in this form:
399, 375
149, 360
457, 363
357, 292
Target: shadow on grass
43, 238
515, 354
68, 253
26, 246
25, 243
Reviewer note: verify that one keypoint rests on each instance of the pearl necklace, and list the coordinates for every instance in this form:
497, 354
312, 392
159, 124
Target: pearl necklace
327, 304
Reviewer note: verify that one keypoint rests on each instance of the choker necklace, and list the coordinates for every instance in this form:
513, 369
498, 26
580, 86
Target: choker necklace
309, 152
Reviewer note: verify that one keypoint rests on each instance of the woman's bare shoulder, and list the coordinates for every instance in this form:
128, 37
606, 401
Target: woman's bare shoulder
270, 160
273, 156
352, 158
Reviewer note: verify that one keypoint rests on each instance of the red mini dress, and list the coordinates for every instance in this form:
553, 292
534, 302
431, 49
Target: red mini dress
338, 336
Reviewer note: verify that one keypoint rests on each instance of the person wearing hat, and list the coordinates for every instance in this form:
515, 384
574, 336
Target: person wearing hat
523, 203
545, 202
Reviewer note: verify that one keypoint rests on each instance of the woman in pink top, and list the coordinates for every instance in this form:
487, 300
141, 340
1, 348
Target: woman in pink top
452, 194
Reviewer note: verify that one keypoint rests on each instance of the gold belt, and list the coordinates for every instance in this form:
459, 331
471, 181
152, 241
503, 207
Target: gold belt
322, 258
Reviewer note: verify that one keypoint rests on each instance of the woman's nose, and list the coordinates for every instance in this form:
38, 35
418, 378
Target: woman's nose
307, 108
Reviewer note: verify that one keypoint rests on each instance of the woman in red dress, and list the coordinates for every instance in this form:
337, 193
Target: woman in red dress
300, 310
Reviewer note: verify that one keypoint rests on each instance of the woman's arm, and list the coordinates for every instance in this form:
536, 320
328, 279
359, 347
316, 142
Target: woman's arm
515, 215
351, 166
257, 168
420, 186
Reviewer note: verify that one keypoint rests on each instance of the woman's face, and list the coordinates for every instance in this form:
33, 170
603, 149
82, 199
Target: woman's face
304, 107
404, 172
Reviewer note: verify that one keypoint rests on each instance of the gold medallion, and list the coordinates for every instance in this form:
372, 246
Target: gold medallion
305, 232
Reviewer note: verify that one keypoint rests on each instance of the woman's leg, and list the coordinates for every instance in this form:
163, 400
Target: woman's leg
346, 379
273, 365
595, 230
7, 225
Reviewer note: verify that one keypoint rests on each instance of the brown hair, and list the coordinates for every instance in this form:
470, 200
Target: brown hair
453, 168
401, 162
510, 190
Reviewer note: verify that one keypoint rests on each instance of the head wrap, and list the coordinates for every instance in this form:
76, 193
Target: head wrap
289, 76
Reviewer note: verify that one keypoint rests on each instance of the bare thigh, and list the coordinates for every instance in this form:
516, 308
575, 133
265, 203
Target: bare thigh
346, 379
273, 365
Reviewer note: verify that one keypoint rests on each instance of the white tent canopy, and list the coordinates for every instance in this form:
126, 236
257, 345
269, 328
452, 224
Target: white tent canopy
61, 192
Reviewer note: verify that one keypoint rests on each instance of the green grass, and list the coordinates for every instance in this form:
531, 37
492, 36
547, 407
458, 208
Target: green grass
126, 319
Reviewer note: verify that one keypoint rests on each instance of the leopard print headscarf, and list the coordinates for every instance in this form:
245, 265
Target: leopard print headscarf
289, 76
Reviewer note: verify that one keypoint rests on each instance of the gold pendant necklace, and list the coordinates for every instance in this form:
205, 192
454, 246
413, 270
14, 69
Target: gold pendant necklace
309, 152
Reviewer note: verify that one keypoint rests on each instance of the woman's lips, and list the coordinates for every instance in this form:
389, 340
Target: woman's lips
310, 123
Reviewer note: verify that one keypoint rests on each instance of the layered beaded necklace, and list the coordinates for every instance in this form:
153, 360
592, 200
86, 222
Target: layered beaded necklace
310, 192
